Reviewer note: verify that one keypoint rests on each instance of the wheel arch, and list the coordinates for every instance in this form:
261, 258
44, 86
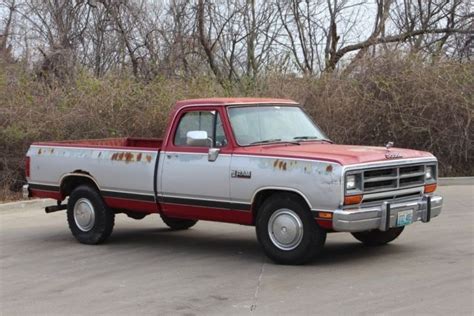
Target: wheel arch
72, 180
262, 194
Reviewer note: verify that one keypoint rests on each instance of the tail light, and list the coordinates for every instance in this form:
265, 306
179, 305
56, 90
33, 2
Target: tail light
27, 167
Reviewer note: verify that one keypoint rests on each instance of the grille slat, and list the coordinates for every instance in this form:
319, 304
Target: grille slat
380, 179
383, 179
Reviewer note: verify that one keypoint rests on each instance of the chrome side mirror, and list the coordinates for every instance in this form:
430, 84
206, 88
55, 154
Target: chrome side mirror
213, 154
197, 138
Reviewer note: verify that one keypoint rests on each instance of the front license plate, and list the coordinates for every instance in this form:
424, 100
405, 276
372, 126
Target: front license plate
404, 218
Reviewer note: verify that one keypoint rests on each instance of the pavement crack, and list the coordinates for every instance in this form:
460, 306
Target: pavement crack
253, 307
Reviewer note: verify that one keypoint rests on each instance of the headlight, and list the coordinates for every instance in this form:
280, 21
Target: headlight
429, 173
351, 182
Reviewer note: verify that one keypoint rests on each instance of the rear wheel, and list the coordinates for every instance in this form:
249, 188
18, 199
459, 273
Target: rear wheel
89, 219
378, 237
287, 231
178, 223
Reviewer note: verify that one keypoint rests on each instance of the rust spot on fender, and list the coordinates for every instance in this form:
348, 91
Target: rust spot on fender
139, 157
329, 168
114, 156
280, 164
128, 157
148, 158
120, 156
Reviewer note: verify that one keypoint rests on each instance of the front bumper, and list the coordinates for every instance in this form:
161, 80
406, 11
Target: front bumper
385, 216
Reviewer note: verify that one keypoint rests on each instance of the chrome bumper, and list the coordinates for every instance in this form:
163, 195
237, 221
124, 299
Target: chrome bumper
26, 191
385, 216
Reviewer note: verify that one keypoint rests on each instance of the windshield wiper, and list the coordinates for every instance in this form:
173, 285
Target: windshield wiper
303, 138
273, 140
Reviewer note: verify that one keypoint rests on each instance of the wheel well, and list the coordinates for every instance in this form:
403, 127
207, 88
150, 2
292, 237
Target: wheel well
69, 183
263, 195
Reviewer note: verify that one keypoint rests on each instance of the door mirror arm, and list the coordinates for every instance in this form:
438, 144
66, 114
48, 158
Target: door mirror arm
213, 154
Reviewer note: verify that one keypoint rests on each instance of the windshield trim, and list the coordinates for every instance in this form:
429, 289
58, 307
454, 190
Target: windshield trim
293, 105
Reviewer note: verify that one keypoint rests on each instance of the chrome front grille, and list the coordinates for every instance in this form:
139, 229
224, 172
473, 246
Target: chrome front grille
392, 178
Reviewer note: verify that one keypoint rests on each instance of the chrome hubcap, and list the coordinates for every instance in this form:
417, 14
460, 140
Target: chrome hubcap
285, 229
84, 214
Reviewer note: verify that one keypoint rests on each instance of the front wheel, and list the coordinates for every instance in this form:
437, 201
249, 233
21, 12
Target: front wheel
287, 230
90, 220
378, 237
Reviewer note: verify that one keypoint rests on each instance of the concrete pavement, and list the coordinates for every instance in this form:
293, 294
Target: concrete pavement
217, 269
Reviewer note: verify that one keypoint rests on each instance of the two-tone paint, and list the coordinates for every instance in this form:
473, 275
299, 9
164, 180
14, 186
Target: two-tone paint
156, 176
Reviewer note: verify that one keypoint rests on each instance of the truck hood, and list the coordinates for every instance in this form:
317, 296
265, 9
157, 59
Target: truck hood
342, 154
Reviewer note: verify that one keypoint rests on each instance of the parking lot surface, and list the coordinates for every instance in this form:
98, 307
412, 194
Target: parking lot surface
219, 269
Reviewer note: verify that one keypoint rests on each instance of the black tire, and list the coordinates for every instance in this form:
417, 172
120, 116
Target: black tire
178, 223
101, 225
311, 241
378, 237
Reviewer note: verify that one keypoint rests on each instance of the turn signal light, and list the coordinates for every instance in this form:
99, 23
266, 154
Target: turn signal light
352, 199
325, 215
429, 188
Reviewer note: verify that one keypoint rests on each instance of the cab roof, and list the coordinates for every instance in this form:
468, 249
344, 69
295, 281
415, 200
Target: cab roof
226, 101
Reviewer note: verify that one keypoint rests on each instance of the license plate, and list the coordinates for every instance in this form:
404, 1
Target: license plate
405, 218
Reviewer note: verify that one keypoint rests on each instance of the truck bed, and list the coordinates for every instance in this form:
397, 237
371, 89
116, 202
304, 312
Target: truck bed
122, 168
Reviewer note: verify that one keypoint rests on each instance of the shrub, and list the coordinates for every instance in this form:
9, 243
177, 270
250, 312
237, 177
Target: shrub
416, 105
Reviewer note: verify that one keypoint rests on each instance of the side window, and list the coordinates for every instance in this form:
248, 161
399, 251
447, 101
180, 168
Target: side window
201, 121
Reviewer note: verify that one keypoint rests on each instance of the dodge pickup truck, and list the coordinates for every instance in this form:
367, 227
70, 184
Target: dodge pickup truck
249, 161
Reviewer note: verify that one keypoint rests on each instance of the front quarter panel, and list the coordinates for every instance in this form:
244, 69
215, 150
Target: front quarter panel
319, 182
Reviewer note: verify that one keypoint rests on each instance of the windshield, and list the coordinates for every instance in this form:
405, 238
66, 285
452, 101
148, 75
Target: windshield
268, 124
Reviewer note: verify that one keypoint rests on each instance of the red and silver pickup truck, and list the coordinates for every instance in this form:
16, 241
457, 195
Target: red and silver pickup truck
259, 162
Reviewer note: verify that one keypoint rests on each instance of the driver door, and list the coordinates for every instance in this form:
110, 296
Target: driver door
190, 181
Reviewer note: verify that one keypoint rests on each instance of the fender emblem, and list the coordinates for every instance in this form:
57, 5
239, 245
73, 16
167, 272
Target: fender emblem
244, 174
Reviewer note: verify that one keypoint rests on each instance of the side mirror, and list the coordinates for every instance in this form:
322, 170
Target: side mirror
197, 138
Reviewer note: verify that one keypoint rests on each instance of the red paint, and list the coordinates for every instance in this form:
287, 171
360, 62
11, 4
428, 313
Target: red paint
342, 154
126, 143
210, 214
225, 101
324, 223
27, 166
46, 194
132, 205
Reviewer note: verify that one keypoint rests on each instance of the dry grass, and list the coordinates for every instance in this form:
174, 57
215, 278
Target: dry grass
427, 107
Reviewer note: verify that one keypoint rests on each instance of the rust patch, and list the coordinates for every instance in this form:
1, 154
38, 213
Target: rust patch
120, 156
39, 151
139, 157
280, 164
114, 156
148, 158
329, 168
128, 157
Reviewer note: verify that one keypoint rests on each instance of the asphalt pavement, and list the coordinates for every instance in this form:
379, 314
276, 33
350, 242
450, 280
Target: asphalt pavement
219, 269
